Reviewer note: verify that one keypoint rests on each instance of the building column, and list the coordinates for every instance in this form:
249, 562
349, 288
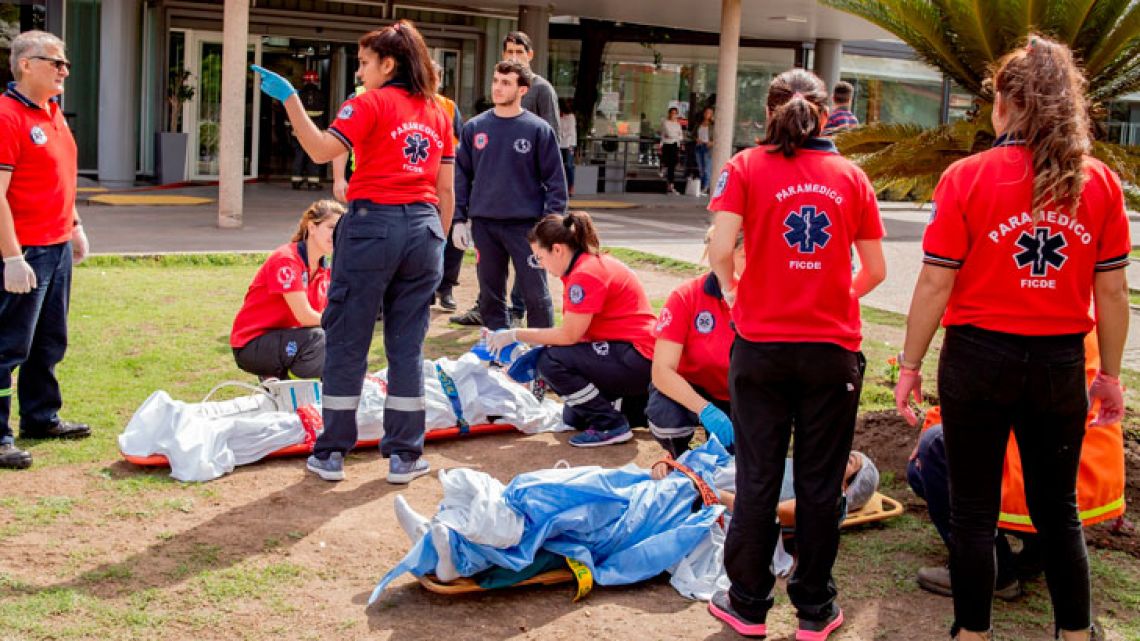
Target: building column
231, 148
118, 92
730, 17
828, 57
535, 23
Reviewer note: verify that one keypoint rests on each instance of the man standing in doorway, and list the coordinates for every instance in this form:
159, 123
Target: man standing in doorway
508, 176
841, 117
40, 239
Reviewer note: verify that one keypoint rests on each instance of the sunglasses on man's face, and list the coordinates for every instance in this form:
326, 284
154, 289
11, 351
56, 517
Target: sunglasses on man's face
59, 63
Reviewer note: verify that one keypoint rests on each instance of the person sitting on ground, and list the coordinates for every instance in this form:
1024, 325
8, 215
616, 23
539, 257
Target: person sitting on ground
1100, 492
603, 350
277, 333
841, 117
690, 363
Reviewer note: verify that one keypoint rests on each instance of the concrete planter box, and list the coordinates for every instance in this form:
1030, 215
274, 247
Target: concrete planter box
170, 157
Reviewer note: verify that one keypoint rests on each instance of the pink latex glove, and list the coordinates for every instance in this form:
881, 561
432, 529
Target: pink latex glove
1111, 394
910, 386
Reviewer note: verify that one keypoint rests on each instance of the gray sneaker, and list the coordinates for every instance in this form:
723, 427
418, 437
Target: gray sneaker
330, 469
402, 471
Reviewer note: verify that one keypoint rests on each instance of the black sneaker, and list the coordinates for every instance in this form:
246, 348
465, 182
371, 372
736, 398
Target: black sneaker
470, 318
61, 430
820, 630
447, 302
13, 458
720, 606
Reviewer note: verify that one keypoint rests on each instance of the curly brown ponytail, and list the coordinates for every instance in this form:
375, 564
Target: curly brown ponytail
797, 102
1043, 90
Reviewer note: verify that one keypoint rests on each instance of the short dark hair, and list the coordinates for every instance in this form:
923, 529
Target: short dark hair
517, 38
842, 92
507, 66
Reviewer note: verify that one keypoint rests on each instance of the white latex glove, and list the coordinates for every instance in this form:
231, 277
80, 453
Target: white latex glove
461, 235
79, 245
499, 339
18, 275
340, 190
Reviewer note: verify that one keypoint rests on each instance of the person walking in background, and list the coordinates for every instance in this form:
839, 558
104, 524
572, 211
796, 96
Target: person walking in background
568, 141
389, 245
841, 117
509, 175
703, 137
1023, 237
41, 238
671, 134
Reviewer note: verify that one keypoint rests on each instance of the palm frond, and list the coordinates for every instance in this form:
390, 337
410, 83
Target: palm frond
1064, 19
1111, 44
1124, 160
1102, 18
973, 24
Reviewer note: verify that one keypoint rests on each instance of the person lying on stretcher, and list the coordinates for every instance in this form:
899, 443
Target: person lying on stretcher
626, 525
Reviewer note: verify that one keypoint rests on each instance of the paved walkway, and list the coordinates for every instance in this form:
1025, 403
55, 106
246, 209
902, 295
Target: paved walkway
672, 226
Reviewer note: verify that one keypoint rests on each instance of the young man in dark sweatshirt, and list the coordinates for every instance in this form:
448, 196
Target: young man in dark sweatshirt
509, 175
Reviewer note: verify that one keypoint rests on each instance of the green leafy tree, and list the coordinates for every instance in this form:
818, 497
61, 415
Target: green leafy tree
964, 39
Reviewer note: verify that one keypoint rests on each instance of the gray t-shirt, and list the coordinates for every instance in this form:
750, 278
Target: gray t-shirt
541, 100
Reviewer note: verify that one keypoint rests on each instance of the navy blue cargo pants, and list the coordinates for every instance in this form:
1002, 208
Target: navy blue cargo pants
672, 424
390, 255
33, 337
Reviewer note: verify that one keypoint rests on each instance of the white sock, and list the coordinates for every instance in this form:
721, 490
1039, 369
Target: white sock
441, 538
414, 524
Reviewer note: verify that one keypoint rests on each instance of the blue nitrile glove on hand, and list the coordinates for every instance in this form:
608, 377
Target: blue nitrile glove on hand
274, 85
717, 423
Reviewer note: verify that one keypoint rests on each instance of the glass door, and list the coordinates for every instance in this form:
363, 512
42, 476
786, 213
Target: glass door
448, 59
204, 120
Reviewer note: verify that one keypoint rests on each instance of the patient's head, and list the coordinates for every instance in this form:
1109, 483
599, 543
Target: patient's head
860, 480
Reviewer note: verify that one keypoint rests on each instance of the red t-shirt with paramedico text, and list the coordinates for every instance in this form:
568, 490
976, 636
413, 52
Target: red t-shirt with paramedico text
37, 147
697, 318
1017, 275
265, 308
400, 141
602, 285
801, 216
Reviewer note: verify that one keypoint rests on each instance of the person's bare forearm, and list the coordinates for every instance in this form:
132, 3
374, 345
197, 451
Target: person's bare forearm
1112, 316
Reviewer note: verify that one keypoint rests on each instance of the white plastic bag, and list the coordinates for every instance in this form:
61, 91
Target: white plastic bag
473, 506
693, 187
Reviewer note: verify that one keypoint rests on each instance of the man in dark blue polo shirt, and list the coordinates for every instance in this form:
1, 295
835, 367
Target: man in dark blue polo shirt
508, 176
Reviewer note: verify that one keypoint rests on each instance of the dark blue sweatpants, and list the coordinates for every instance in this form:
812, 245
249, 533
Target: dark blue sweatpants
500, 243
33, 337
390, 255
672, 424
591, 376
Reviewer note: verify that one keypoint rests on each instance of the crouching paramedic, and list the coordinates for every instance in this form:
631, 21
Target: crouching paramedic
277, 333
389, 246
690, 363
604, 349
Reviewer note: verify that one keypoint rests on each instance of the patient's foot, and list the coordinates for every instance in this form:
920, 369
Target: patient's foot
413, 523
441, 538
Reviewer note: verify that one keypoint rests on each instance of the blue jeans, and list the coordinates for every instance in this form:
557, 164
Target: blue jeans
33, 337
568, 166
704, 163
390, 255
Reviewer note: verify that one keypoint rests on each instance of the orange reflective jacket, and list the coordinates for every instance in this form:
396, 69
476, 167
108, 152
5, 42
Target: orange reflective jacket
1100, 479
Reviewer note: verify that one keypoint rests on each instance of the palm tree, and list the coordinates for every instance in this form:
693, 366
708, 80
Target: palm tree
963, 39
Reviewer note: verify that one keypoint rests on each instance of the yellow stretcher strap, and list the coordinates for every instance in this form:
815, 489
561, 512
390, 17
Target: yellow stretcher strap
582, 576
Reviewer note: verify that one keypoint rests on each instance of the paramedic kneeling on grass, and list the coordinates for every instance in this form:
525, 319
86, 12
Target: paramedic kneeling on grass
603, 350
795, 363
389, 245
278, 331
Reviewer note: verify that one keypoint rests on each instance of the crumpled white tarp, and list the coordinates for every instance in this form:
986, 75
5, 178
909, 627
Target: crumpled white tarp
203, 441
473, 506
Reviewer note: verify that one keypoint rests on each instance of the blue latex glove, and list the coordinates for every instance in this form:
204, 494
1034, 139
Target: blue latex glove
274, 85
717, 423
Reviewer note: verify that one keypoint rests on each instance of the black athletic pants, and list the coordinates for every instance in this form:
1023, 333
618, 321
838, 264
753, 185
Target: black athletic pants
814, 389
988, 381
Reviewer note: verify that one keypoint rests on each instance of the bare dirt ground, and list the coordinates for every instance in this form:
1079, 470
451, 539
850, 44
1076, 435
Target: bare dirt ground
106, 551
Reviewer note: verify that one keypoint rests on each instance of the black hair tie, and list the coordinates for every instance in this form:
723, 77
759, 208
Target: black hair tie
568, 221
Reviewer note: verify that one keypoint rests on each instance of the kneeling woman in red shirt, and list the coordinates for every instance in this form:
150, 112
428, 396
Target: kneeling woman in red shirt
603, 350
277, 332
796, 362
690, 362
